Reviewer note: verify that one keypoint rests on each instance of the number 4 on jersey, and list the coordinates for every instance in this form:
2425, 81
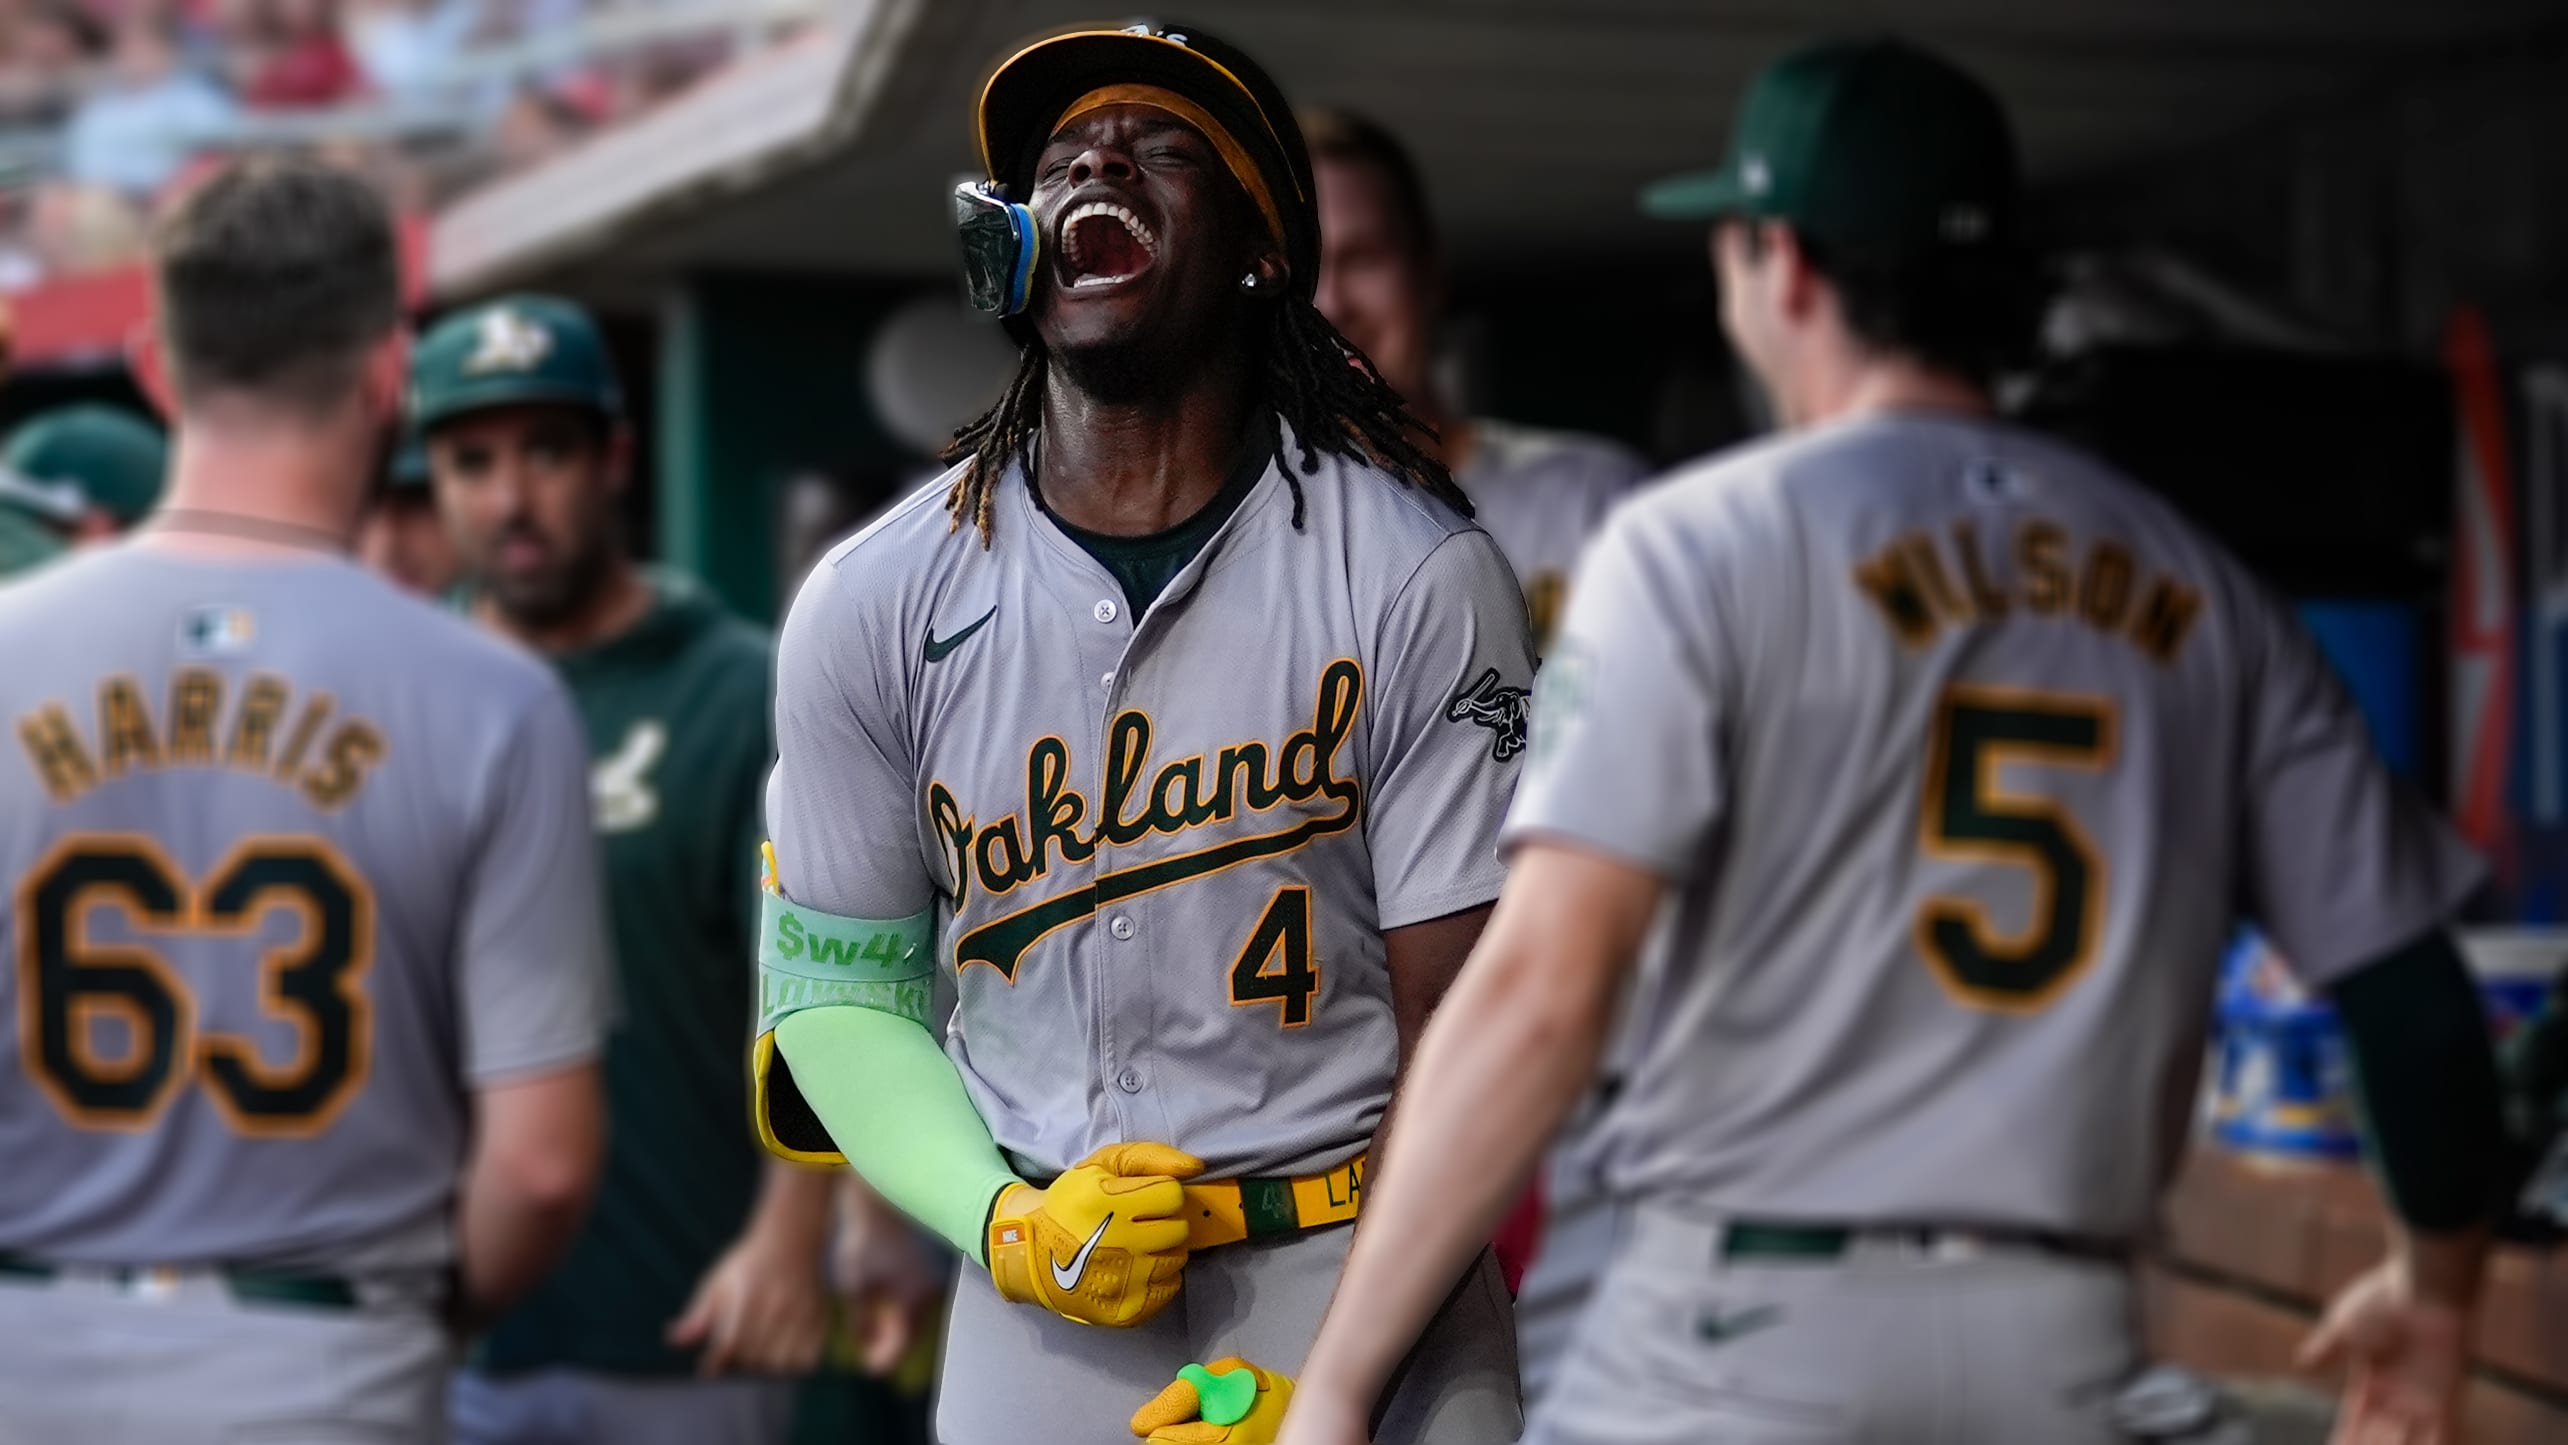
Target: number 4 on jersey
1276, 965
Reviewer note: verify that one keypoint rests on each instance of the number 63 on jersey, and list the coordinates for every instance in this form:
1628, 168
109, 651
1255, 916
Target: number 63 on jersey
70, 983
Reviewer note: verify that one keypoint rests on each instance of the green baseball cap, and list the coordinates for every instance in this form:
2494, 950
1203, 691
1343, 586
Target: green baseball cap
25, 543
60, 463
409, 468
509, 352
1871, 145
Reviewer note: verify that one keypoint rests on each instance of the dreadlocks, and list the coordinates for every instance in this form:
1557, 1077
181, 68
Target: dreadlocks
1322, 385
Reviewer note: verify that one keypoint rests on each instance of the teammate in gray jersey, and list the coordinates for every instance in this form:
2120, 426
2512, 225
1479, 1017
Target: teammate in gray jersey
1541, 494
1176, 723
1952, 757
303, 953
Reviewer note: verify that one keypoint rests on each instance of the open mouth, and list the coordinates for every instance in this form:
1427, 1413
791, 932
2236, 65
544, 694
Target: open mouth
1103, 244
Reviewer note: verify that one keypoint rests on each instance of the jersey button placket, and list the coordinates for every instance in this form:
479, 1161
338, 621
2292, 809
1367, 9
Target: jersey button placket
1111, 979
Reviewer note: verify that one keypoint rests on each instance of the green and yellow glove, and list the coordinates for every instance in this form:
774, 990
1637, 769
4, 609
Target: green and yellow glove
1229, 1402
1105, 1244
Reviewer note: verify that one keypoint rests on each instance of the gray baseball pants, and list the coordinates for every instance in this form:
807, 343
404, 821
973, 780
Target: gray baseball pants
580, 1407
176, 1360
1016, 1373
1889, 1343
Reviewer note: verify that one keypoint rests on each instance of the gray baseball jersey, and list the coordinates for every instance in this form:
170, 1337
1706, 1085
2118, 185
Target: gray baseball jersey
1961, 755
1541, 495
292, 862
1163, 850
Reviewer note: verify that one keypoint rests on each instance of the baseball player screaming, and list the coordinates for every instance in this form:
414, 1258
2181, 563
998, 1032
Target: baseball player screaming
1954, 757
1168, 734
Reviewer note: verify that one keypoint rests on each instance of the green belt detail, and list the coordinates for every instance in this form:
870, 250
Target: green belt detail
1267, 1207
247, 1286
18, 1266
1752, 1240
319, 1291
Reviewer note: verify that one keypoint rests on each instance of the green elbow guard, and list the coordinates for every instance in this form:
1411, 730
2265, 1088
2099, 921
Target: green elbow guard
808, 959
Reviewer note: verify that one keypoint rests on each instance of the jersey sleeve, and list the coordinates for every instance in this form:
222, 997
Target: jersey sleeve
2343, 862
1630, 710
841, 815
1453, 665
842, 802
536, 981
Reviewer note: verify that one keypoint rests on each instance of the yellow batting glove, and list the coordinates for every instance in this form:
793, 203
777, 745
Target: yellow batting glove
1229, 1402
1105, 1244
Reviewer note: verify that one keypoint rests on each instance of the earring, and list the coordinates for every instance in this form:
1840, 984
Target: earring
1249, 283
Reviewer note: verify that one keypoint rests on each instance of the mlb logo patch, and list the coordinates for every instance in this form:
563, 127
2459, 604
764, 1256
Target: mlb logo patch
1993, 481
217, 631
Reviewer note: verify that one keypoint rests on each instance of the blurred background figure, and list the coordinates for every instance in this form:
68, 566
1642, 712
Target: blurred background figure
133, 132
401, 537
1539, 493
308, 62
1382, 284
73, 475
699, 1292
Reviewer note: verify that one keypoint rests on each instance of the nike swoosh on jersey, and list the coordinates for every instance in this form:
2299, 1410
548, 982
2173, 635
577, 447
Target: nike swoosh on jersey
937, 647
1068, 1276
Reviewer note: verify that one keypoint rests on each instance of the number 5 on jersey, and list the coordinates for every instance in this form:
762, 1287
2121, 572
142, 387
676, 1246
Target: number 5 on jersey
1966, 815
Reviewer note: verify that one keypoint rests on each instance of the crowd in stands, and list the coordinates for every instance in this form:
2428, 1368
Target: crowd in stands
107, 106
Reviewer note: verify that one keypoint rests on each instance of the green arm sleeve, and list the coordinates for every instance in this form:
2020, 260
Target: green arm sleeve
896, 1108
2427, 1076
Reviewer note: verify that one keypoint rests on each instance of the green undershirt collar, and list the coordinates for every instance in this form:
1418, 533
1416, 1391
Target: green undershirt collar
1143, 566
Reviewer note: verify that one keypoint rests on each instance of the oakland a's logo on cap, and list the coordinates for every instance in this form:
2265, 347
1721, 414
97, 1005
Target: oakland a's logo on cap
507, 341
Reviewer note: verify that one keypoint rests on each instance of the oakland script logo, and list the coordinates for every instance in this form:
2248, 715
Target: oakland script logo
1188, 793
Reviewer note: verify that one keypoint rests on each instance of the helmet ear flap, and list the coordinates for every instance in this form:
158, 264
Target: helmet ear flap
1001, 247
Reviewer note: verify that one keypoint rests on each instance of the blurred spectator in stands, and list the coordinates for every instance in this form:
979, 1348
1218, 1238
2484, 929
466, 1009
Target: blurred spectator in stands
406, 46
234, 42
73, 228
147, 116
49, 47
311, 65
537, 126
20, 267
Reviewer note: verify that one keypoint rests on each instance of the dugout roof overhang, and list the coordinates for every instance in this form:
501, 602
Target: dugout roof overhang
1535, 120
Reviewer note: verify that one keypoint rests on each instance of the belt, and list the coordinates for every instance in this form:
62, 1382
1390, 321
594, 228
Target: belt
1227, 1211
247, 1286
1762, 1240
